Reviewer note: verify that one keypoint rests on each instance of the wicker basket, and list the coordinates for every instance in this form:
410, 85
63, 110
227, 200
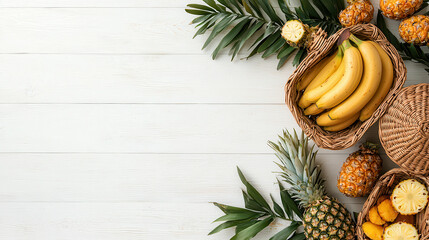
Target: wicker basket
384, 186
321, 47
404, 134
404, 129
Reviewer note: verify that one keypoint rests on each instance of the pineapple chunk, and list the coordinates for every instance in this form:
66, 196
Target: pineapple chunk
409, 197
400, 231
374, 217
373, 231
387, 211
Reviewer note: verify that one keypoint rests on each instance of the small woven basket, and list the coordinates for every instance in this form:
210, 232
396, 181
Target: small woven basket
404, 134
385, 186
320, 48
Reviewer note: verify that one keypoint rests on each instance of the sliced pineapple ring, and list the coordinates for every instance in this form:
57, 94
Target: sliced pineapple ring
409, 197
400, 231
294, 31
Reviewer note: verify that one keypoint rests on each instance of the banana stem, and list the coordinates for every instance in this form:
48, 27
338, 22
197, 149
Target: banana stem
355, 39
341, 49
346, 44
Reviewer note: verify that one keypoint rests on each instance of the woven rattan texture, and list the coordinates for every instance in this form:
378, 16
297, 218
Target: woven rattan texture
385, 185
404, 129
321, 47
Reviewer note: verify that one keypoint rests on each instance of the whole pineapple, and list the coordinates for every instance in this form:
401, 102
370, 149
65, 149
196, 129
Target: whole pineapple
399, 9
415, 30
324, 217
360, 171
359, 11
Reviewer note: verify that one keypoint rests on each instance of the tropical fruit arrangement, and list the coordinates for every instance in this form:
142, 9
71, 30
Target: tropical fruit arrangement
393, 217
349, 73
346, 86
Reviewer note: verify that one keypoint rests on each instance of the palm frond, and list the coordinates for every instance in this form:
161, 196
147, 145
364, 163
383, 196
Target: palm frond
258, 24
258, 214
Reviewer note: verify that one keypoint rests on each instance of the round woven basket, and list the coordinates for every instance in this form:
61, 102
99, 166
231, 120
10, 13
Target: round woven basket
320, 48
404, 129
385, 186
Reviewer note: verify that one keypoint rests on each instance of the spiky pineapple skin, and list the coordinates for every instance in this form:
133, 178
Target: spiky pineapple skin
359, 172
399, 9
415, 30
359, 11
328, 219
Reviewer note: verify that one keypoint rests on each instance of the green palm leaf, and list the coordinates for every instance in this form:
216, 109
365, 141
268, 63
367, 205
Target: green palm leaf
256, 23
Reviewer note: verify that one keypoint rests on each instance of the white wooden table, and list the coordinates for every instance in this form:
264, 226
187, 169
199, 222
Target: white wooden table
115, 125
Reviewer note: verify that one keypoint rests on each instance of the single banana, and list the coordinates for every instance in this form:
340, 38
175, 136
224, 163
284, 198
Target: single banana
324, 74
324, 121
348, 83
368, 86
312, 95
312, 73
385, 84
313, 110
343, 125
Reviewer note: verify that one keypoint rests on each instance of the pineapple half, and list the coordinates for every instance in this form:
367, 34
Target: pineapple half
295, 33
400, 231
324, 217
409, 197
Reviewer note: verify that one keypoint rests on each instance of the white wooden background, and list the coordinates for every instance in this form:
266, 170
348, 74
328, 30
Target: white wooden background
115, 125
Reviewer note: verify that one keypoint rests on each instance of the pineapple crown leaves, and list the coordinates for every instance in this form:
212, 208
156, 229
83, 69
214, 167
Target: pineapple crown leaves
407, 51
299, 169
258, 24
369, 147
258, 214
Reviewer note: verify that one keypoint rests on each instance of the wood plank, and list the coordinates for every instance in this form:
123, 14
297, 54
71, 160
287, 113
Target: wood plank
97, 3
146, 79
100, 30
147, 128
139, 79
180, 178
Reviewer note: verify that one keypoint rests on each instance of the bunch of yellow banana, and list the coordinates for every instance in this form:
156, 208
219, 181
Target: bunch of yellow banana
348, 85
